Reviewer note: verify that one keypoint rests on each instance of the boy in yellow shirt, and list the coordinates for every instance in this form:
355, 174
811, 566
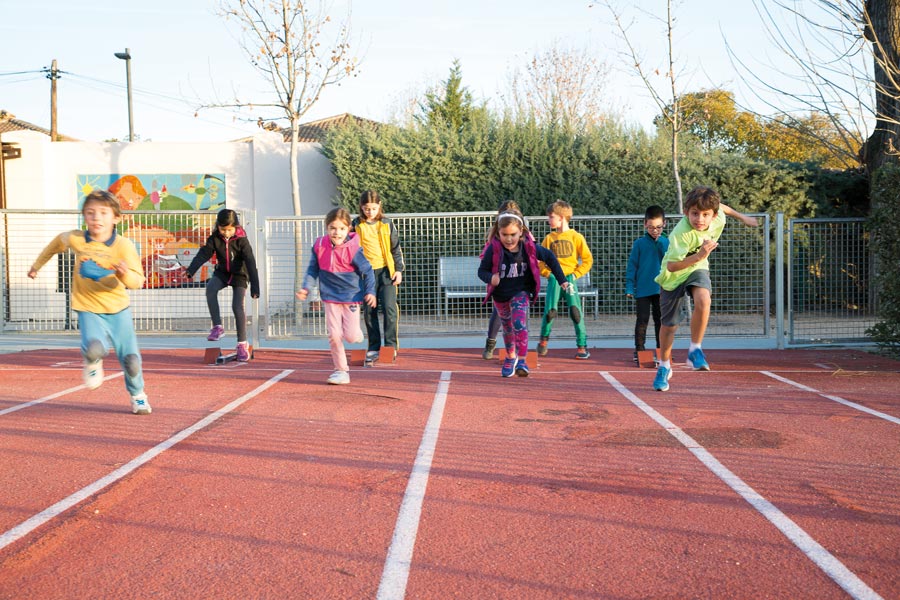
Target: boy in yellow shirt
575, 258
105, 265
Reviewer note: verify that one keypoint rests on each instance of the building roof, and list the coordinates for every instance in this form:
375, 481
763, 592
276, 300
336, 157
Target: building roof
9, 123
313, 131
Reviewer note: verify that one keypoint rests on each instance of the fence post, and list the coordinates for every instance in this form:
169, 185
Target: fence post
779, 280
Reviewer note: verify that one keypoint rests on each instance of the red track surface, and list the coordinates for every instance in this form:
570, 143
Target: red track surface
566, 484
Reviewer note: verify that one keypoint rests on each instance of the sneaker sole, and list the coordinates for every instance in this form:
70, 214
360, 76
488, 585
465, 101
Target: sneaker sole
700, 368
521, 373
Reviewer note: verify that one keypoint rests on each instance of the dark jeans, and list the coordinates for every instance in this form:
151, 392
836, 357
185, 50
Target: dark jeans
213, 286
644, 307
386, 295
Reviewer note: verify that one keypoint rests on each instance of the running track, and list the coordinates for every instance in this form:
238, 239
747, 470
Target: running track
776, 475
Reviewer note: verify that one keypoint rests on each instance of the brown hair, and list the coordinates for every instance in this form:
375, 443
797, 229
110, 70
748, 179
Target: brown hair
506, 218
702, 197
561, 208
371, 197
105, 198
338, 214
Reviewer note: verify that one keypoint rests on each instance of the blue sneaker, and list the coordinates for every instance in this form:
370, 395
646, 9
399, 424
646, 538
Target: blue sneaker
521, 368
509, 367
661, 383
697, 361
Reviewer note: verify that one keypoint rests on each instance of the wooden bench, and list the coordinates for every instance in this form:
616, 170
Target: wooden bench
458, 278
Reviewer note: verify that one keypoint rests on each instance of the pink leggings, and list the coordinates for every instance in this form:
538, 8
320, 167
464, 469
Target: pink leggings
342, 322
514, 321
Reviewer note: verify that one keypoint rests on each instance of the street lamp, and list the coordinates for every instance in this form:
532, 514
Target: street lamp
126, 56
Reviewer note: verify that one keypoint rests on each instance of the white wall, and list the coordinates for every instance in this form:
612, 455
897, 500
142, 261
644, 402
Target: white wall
257, 175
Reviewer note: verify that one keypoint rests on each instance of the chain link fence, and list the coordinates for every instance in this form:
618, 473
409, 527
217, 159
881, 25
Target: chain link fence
828, 271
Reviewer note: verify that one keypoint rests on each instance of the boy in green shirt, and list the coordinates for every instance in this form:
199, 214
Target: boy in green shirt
685, 271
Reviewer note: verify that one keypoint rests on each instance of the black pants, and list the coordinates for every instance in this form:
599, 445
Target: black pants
213, 285
644, 307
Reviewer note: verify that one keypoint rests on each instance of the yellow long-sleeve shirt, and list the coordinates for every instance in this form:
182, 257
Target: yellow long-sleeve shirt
571, 250
107, 294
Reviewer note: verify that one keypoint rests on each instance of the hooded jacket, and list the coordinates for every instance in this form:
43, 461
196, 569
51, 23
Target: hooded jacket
345, 275
235, 263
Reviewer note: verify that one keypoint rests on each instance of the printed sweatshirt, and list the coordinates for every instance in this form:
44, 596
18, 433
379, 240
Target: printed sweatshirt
95, 286
518, 269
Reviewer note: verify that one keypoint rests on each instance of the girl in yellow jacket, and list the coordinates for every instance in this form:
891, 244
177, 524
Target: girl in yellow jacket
380, 243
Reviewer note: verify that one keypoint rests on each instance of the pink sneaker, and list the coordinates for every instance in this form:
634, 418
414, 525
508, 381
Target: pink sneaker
216, 333
243, 351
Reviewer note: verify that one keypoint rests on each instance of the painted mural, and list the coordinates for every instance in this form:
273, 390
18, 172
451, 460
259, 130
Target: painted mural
166, 241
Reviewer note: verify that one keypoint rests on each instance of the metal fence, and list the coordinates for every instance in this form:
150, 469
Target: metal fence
830, 296
827, 267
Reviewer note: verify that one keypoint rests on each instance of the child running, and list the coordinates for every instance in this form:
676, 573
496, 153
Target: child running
685, 271
345, 279
640, 276
494, 321
509, 266
575, 258
107, 264
380, 242
235, 266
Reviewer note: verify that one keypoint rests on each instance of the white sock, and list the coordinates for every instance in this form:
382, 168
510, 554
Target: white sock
693, 347
666, 363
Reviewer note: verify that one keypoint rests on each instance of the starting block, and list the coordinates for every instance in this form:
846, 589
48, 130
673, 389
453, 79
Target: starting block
214, 356
530, 358
358, 357
647, 358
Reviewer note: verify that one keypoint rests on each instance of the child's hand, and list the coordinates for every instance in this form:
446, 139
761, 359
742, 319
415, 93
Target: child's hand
397, 278
302, 294
495, 279
707, 247
750, 221
370, 300
121, 268
32, 273
629, 296
566, 287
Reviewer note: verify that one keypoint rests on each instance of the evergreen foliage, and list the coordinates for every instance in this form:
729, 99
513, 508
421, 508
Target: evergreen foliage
883, 225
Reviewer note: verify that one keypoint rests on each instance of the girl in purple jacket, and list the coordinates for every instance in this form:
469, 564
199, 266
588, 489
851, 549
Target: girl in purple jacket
345, 280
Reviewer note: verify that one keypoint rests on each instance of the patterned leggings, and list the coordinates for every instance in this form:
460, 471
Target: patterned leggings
514, 322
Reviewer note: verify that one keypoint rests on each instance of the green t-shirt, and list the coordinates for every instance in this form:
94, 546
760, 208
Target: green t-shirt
684, 241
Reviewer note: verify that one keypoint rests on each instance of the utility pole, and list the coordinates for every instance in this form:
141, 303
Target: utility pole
126, 56
53, 75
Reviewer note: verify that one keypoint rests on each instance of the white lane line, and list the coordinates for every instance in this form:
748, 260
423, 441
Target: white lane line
826, 561
26, 527
16, 407
399, 556
837, 399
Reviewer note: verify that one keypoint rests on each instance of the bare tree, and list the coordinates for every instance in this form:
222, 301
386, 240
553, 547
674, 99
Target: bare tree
561, 85
283, 39
843, 56
669, 109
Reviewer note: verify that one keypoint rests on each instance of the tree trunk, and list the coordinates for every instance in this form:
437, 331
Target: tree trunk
883, 31
295, 175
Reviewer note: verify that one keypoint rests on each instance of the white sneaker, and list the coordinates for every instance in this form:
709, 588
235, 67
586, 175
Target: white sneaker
339, 378
139, 404
93, 374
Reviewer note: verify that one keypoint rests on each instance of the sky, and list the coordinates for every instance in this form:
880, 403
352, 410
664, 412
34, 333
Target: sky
184, 55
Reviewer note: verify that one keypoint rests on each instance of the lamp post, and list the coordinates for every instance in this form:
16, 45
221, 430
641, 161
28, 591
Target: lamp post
126, 56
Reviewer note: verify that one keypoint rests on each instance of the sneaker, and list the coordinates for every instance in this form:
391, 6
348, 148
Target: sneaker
542, 347
521, 368
216, 333
661, 383
139, 404
93, 374
489, 346
243, 351
372, 356
697, 361
339, 378
509, 367
636, 361
582, 353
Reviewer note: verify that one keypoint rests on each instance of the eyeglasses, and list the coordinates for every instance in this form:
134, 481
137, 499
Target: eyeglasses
656, 227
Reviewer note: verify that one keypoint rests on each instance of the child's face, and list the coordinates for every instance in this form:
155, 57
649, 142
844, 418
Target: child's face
370, 210
510, 236
337, 232
227, 231
700, 219
555, 221
655, 227
100, 220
